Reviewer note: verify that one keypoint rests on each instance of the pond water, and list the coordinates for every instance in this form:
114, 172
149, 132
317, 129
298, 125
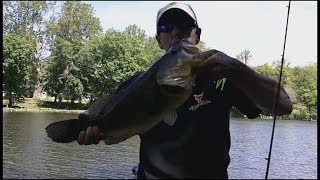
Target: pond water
29, 153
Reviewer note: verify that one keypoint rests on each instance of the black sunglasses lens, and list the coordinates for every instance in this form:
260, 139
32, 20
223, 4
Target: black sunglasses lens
165, 28
169, 28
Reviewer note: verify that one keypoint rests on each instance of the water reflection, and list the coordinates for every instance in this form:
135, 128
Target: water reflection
29, 153
293, 154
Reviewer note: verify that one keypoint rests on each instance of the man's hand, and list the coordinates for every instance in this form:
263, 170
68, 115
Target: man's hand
92, 135
216, 63
258, 87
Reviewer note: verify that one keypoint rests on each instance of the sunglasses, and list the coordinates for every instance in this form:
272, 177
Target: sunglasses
165, 28
168, 28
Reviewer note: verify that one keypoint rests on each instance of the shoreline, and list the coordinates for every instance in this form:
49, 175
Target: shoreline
6, 109
53, 110
47, 105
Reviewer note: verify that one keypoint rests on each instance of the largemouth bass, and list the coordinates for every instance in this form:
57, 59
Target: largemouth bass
152, 97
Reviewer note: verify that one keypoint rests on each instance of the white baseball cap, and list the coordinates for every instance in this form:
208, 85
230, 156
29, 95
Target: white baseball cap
178, 5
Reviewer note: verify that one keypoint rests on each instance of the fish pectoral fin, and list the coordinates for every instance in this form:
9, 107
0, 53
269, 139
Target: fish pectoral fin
170, 118
65, 131
98, 105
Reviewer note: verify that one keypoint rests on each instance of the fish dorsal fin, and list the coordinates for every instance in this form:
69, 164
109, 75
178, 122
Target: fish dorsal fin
98, 105
105, 104
170, 118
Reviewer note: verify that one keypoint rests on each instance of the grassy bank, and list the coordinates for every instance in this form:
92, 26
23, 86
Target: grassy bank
43, 105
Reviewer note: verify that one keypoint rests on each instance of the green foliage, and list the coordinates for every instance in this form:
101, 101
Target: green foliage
273, 71
300, 84
112, 58
16, 54
23, 16
76, 23
305, 83
54, 78
68, 34
267, 70
29, 17
286, 79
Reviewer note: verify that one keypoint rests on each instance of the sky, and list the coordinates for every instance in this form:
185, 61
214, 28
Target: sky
232, 26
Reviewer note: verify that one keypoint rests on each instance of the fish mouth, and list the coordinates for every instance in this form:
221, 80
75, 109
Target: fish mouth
178, 69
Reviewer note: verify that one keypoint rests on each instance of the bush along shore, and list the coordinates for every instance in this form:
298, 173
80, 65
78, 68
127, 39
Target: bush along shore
43, 105
48, 105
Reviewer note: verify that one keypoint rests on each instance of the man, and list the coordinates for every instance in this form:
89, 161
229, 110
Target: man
197, 144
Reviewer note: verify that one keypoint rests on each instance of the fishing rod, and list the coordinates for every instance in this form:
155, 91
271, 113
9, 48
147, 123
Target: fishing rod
276, 100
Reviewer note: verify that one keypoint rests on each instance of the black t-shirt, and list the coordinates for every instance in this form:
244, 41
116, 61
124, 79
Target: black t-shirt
197, 144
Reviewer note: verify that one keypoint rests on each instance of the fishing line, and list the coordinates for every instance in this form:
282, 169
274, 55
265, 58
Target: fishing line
275, 104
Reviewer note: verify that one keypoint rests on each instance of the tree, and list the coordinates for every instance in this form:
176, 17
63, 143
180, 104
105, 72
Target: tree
300, 84
29, 17
305, 84
54, 84
69, 33
110, 59
286, 78
57, 69
244, 56
120, 56
267, 70
273, 71
91, 68
16, 54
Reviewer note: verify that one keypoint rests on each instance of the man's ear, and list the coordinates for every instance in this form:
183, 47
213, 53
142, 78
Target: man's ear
158, 40
198, 32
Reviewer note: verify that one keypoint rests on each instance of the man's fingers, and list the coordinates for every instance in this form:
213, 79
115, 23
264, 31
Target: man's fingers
81, 137
89, 134
205, 55
207, 63
102, 136
96, 137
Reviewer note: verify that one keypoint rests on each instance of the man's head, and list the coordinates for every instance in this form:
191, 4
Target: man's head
176, 21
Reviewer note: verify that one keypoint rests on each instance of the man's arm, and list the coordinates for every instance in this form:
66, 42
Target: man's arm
261, 89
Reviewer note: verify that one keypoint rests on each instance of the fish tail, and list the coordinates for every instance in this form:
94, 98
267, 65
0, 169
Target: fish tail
66, 131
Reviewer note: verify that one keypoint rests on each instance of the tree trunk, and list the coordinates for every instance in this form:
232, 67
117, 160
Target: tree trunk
60, 100
10, 100
80, 100
72, 101
38, 86
91, 99
37, 91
